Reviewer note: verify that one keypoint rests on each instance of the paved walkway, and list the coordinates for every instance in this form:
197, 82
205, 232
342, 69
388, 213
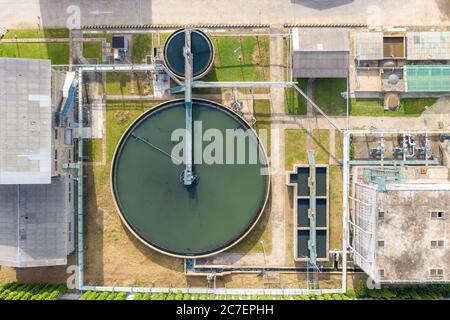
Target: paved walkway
25, 13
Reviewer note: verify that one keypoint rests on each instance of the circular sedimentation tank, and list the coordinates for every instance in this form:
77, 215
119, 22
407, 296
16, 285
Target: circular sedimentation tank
210, 216
201, 48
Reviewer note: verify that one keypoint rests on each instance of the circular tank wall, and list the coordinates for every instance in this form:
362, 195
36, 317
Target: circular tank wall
201, 48
210, 216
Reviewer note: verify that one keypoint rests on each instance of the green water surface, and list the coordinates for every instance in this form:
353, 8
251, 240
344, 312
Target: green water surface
170, 216
201, 49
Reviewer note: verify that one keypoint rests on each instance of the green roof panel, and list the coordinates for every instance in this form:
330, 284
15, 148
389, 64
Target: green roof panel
427, 78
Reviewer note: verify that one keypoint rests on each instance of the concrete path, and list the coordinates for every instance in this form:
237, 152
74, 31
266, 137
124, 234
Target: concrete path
278, 178
332, 148
51, 13
425, 121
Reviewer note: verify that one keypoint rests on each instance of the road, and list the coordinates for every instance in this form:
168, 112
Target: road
53, 13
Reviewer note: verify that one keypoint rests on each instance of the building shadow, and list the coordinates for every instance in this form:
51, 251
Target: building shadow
322, 4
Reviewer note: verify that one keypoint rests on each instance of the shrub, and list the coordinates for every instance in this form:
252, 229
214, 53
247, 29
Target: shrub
351, 294
179, 296
121, 296
171, 296
336, 296
360, 290
103, 296
146, 296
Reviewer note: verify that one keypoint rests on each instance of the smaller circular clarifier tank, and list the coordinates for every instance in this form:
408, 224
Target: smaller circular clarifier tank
201, 48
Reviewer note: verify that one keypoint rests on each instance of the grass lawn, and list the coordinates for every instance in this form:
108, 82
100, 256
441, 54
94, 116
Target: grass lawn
92, 148
243, 58
142, 46
415, 107
263, 116
58, 53
262, 108
366, 107
295, 148
327, 95
335, 223
410, 107
93, 50
163, 36
36, 33
294, 102
119, 115
118, 83
321, 146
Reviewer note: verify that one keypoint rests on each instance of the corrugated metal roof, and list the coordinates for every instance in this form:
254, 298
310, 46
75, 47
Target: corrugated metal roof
428, 45
369, 46
34, 224
427, 78
25, 121
321, 64
321, 39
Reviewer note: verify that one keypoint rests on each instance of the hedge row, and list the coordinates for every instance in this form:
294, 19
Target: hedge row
424, 292
416, 292
95, 295
32, 291
187, 296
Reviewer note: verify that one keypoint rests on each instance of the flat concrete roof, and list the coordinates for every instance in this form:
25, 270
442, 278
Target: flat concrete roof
25, 121
34, 224
428, 45
369, 45
403, 235
407, 231
321, 39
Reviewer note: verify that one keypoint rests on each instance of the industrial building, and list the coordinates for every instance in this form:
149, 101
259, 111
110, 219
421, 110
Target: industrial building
399, 64
320, 52
36, 215
399, 218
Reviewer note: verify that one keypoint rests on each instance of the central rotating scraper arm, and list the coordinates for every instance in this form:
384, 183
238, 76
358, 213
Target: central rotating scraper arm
188, 174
